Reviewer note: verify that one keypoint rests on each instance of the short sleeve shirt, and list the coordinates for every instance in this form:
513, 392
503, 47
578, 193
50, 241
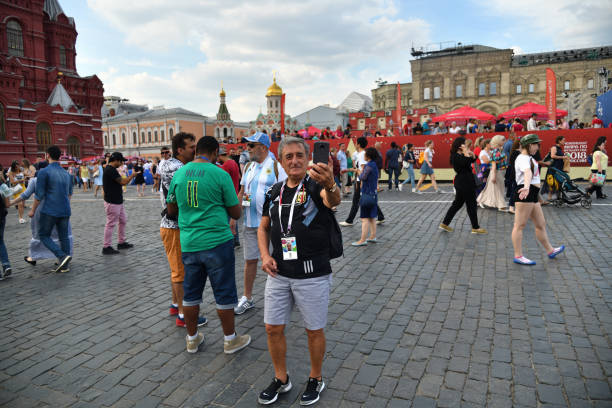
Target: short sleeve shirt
113, 191
521, 165
202, 192
166, 170
310, 227
257, 180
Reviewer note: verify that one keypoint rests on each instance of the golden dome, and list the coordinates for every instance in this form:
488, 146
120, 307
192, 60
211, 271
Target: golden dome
274, 90
222, 93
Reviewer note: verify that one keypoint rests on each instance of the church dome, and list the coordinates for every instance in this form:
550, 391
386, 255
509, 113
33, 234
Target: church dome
222, 93
274, 90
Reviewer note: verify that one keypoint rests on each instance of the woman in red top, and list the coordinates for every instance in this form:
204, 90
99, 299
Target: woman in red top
517, 126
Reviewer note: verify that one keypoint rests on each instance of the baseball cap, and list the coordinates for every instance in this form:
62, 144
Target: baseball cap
116, 156
259, 137
530, 139
222, 151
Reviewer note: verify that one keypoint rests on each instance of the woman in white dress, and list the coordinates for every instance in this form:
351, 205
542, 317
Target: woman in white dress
493, 194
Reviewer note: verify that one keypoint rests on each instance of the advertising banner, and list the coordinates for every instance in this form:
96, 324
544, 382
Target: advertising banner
551, 95
604, 108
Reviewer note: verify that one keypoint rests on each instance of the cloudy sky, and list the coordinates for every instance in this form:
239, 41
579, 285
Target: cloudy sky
177, 53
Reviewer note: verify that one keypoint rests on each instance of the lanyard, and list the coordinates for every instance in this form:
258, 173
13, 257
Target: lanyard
252, 173
280, 207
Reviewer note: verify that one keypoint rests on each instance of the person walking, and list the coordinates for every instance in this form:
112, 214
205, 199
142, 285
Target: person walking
392, 162
54, 188
112, 183
98, 175
231, 167
258, 176
343, 160
408, 164
526, 201
84, 172
599, 166
16, 177
359, 163
493, 194
296, 220
138, 173
368, 202
4, 258
202, 196
427, 167
461, 158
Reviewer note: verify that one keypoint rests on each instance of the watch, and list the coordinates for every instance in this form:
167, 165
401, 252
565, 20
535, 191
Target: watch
333, 189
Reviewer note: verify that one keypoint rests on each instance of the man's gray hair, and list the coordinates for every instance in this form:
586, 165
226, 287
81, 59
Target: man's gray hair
287, 140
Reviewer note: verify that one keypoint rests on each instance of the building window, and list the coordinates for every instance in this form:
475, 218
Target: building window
149, 136
62, 55
134, 138
2, 128
163, 136
410, 102
493, 88
114, 140
142, 137
123, 139
361, 124
566, 85
426, 93
436, 92
43, 136
105, 140
74, 147
14, 36
590, 84
481, 89
171, 133
531, 88
458, 91
519, 89
155, 135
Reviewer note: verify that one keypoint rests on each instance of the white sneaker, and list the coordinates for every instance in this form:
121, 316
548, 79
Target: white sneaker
400, 187
244, 304
414, 190
346, 224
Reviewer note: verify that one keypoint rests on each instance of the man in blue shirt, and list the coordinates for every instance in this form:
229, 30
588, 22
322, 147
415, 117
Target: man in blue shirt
54, 185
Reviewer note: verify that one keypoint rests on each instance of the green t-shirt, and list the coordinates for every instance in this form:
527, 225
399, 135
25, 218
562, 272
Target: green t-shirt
202, 192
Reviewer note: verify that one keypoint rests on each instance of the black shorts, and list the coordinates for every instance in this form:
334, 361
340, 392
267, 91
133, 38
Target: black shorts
532, 197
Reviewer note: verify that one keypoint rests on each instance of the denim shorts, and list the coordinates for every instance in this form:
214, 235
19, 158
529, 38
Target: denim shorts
218, 264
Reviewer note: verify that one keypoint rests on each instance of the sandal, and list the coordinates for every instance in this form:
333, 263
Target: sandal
31, 262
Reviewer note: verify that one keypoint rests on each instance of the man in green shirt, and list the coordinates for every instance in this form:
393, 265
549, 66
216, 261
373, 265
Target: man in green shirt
203, 196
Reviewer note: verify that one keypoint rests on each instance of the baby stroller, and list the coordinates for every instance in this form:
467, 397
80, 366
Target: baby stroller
568, 192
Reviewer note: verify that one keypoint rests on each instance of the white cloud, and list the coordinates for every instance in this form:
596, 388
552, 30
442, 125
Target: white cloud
568, 23
322, 50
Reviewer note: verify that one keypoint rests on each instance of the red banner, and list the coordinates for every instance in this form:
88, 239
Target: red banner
398, 111
551, 95
282, 115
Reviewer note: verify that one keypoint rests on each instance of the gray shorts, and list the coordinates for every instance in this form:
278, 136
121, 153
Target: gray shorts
249, 241
310, 295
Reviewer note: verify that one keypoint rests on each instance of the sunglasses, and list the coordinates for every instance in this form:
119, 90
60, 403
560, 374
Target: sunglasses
252, 145
165, 152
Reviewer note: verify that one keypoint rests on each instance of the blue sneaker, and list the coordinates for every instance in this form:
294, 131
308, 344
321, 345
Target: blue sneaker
521, 260
556, 251
180, 322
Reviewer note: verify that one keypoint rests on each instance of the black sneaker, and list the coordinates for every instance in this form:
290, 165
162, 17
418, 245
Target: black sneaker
109, 251
313, 389
6, 271
63, 263
124, 245
270, 394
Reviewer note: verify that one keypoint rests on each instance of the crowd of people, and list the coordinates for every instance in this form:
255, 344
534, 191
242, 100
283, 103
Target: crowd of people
287, 204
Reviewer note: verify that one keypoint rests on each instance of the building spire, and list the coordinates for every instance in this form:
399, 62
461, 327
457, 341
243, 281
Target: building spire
53, 9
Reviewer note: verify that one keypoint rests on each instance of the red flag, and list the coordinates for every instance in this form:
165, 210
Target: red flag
282, 116
398, 110
551, 95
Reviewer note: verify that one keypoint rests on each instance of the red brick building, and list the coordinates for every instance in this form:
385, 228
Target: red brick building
43, 100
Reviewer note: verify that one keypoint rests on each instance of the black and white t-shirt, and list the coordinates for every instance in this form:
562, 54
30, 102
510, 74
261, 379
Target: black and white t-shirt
166, 170
310, 226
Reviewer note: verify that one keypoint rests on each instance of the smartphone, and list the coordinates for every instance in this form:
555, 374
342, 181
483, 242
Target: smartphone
320, 152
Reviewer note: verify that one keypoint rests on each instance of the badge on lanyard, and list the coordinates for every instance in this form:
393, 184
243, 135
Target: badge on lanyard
288, 241
246, 200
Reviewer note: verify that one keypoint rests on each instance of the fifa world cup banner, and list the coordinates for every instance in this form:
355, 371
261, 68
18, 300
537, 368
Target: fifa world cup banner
551, 95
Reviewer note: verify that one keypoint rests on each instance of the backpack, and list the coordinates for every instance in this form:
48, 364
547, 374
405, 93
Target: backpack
421, 157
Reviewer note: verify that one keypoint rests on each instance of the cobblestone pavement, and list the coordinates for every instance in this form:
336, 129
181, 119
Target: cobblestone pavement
423, 318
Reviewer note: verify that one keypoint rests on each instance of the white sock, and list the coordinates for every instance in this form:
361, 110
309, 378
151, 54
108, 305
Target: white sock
175, 305
192, 337
230, 337
182, 316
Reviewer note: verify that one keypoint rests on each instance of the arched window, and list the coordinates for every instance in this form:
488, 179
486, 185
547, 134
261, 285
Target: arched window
62, 56
224, 132
74, 147
155, 135
114, 140
2, 128
142, 137
134, 138
163, 136
43, 136
149, 136
14, 36
171, 133
123, 139
105, 140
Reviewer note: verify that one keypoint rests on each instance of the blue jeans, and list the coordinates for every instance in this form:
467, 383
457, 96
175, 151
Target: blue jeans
45, 226
218, 264
3, 254
410, 171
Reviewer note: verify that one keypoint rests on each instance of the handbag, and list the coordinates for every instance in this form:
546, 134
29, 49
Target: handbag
367, 200
405, 164
598, 179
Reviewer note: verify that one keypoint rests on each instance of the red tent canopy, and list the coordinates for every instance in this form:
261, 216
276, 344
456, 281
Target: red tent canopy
463, 115
524, 112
